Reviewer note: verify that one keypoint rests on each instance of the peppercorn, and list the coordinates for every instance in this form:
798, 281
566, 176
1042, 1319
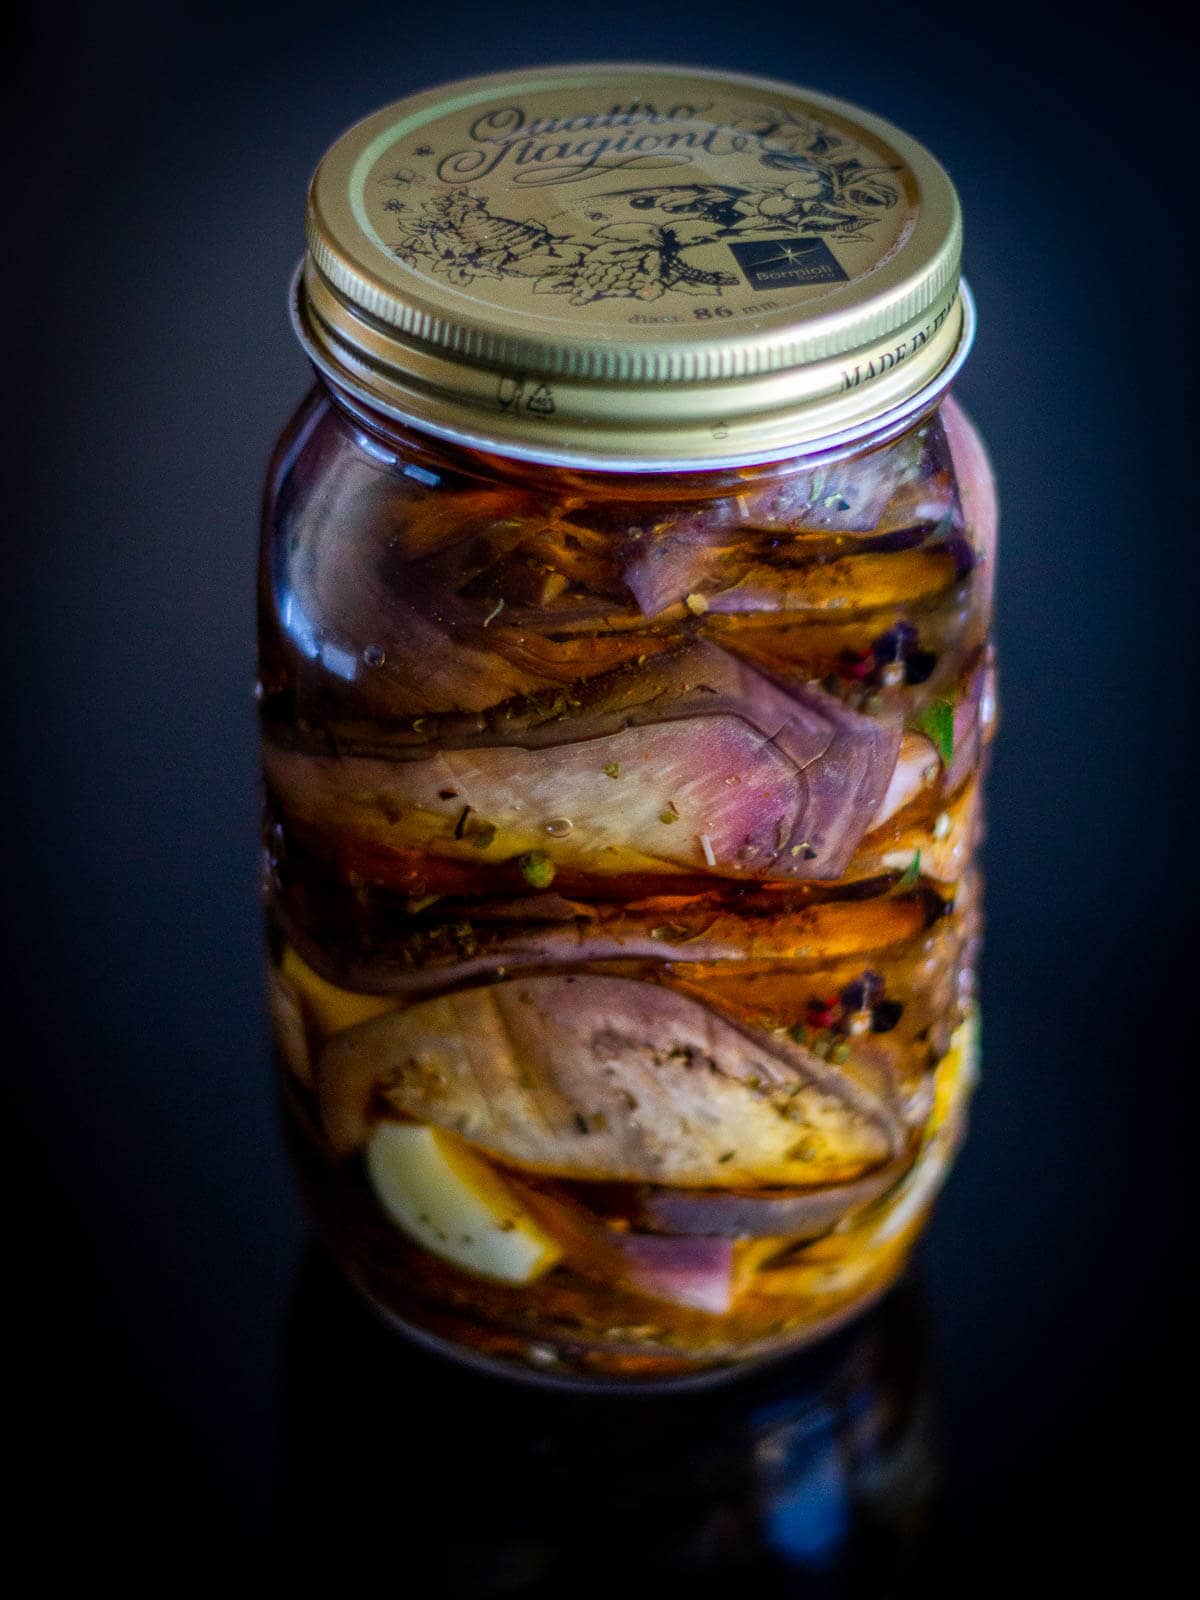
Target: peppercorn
536, 867
919, 666
897, 644
857, 664
886, 1015
823, 1013
863, 993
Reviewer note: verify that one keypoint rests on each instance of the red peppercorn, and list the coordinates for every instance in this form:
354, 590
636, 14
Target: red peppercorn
823, 1013
859, 664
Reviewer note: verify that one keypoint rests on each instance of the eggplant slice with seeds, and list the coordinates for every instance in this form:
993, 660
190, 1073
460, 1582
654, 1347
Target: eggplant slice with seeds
609, 1078
722, 769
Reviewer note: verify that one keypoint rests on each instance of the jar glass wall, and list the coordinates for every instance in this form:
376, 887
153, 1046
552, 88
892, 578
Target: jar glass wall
620, 837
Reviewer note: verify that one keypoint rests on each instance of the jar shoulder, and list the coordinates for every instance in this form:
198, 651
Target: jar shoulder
326, 460
400, 579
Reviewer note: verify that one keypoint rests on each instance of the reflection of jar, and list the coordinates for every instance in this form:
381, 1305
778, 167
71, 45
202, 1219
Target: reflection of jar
625, 600
824, 1468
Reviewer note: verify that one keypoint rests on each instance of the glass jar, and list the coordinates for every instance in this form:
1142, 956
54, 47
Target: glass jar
625, 681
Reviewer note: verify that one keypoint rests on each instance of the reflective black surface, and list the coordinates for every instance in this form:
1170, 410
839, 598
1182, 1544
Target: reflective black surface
156, 161
819, 1476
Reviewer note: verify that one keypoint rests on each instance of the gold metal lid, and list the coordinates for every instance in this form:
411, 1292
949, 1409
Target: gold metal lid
633, 267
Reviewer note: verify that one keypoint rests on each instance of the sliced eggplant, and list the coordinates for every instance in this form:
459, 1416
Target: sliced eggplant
849, 494
609, 1078
803, 542
760, 1214
693, 762
689, 1272
696, 1272
468, 939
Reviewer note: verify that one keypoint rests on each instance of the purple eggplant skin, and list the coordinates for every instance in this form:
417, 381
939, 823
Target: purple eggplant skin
604, 1079
895, 498
547, 931
758, 575
762, 1214
690, 1272
782, 780
438, 961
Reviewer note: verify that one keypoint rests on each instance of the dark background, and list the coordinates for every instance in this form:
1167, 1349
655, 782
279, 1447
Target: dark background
155, 165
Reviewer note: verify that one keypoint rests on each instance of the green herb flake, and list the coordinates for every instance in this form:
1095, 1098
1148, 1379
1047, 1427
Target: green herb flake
911, 873
669, 813
536, 867
483, 835
936, 722
611, 769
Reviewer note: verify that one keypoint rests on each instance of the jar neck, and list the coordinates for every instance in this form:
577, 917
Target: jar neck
412, 445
